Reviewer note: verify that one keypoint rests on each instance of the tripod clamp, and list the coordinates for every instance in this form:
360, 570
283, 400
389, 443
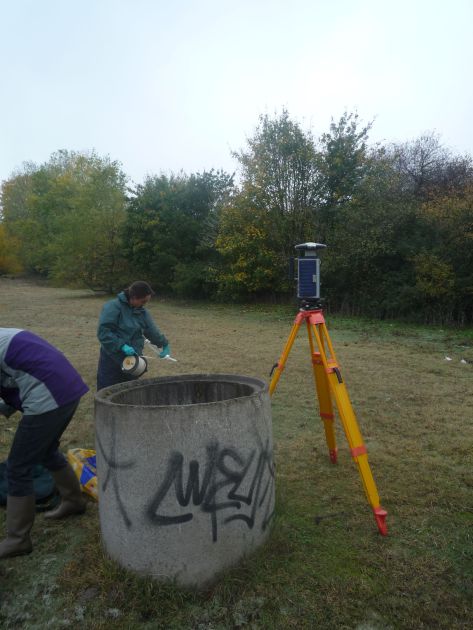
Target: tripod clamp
311, 305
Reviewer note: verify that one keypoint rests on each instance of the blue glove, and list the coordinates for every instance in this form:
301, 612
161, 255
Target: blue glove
165, 351
128, 350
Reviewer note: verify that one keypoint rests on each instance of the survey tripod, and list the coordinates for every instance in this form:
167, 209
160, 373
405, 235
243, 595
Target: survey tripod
329, 382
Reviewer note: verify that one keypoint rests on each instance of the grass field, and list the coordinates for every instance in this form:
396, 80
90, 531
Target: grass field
415, 411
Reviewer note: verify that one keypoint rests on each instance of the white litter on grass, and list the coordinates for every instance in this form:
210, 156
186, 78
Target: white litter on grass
464, 361
79, 612
113, 612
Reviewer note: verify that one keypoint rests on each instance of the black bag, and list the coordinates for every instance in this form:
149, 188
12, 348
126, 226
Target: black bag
43, 486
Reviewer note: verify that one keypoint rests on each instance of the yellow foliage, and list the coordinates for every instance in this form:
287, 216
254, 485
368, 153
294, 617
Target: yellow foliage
9, 260
434, 277
251, 266
452, 215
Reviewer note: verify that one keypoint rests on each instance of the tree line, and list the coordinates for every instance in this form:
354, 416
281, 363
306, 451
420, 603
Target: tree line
397, 219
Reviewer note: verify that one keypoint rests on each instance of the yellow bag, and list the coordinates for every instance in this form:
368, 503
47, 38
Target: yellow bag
84, 463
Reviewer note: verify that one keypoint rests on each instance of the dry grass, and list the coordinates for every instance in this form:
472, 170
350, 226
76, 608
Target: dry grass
415, 410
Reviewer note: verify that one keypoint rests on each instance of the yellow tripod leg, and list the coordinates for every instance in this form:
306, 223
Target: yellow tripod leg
348, 419
281, 364
324, 397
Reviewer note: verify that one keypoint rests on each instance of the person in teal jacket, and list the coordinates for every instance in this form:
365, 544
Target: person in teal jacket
124, 323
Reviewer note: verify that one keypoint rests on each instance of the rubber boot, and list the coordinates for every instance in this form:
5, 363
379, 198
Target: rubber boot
72, 501
20, 519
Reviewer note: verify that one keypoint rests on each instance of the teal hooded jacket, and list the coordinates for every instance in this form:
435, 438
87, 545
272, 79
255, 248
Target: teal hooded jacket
120, 323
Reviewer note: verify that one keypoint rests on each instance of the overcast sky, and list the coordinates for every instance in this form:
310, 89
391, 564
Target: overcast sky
165, 85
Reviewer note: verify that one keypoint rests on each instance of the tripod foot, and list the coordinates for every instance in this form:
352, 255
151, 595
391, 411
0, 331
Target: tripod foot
380, 516
333, 455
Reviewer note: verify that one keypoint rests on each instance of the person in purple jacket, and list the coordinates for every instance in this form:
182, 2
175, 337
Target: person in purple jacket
38, 380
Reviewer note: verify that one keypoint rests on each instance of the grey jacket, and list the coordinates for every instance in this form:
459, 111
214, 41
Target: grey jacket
35, 377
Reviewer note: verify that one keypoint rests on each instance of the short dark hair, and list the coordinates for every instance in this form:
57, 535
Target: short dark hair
139, 289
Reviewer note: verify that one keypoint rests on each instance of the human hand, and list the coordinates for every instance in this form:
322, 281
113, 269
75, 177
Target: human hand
165, 352
128, 350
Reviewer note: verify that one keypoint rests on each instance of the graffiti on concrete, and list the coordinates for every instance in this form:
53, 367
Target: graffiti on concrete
238, 486
226, 481
112, 474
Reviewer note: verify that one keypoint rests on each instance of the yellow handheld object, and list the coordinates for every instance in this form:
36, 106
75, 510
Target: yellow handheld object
83, 462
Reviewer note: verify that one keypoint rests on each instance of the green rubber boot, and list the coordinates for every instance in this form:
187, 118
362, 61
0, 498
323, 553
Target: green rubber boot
72, 501
20, 519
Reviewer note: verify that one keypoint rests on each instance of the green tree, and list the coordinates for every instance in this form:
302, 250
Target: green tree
20, 213
89, 250
280, 179
169, 230
343, 164
368, 268
67, 216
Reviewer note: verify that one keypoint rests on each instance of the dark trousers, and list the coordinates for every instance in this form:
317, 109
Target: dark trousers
36, 441
110, 373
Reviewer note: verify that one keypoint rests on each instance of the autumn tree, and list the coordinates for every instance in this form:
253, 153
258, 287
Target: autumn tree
9, 259
248, 266
445, 267
428, 168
